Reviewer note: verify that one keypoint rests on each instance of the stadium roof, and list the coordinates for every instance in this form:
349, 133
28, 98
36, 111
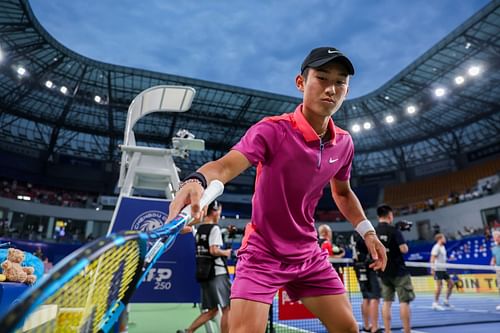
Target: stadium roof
41, 118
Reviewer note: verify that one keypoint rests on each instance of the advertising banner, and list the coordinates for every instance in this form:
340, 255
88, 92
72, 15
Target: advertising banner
172, 279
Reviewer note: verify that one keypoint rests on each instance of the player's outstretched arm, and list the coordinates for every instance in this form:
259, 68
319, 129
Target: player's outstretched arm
350, 207
224, 169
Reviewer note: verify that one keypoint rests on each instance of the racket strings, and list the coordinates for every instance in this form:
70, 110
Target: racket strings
83, 302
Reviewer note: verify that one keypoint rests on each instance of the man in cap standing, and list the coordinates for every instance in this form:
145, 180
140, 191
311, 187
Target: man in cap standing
296, 155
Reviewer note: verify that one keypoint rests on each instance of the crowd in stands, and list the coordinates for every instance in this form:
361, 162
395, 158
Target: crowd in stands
452, 198
14, 189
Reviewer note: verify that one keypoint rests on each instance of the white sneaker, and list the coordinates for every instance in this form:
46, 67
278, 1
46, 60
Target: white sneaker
498, 307
437, 307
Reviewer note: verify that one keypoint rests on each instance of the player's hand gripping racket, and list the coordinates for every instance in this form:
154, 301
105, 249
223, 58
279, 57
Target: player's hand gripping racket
87, 290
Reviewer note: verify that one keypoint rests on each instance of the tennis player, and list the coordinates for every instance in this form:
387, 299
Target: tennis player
439, 256
297, 154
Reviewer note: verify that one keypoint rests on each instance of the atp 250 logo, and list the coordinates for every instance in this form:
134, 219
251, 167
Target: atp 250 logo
161, 277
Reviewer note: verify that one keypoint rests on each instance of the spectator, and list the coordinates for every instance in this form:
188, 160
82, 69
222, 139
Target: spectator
430, 204
211, 271
334, 251
396, 277
325, 242
488, 188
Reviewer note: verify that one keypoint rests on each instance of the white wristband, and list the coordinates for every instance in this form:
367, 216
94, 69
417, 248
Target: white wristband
363, 227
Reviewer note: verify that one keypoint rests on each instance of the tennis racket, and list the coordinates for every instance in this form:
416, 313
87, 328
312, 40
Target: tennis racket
89, 289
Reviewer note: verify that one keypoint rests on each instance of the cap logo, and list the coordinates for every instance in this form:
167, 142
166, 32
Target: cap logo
333, 51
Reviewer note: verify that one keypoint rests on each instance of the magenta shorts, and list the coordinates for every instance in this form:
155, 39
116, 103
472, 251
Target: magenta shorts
260, 275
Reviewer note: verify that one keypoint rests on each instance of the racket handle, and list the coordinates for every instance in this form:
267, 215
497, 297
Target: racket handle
214, 189
174, 227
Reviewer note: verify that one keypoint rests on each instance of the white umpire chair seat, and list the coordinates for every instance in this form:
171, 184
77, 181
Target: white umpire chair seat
148, 167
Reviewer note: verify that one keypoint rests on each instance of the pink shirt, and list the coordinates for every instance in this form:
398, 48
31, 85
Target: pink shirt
293, 167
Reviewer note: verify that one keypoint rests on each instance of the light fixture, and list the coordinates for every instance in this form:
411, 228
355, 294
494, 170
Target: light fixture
467, 45
367, 125
439, 92
97, 99
1, 54
459, 80
387, 98
21, 71
64, 90
474, 70
389, 119
411, 109
356, 128
49, 84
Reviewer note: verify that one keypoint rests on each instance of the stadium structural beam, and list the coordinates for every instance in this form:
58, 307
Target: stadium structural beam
62, 119
111, 125
231, 130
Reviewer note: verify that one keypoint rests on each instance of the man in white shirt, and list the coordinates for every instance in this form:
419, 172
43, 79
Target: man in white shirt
438, 256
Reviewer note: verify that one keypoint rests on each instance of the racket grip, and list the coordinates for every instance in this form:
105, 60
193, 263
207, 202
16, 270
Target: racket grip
214, 189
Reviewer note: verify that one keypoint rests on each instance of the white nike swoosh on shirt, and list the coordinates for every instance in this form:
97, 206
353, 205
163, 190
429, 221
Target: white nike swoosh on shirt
331, 160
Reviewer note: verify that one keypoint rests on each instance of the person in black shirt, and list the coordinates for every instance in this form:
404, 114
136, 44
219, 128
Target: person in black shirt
211, 271
396, 277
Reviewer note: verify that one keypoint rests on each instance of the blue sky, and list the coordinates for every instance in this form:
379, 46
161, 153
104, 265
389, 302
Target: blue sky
254, 44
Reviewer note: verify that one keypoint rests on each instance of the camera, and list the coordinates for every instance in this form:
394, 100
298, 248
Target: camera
233, 231
404, 225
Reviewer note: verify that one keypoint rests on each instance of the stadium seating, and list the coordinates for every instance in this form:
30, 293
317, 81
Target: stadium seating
439, 187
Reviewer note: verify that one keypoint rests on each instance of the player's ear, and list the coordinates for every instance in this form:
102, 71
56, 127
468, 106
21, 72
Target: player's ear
299, 82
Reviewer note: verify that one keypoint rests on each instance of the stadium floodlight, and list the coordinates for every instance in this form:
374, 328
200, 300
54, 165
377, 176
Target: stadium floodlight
459, 80
49, 84
389, 119
439, 92
21, 71
97, 99
411, 109
63, 90
467, 45
387, 98
367, 125
474, 70
356, 128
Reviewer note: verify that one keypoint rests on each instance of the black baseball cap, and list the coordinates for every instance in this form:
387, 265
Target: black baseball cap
322, 55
